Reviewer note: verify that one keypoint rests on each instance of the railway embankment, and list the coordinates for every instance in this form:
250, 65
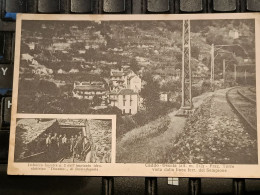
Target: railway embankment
215, 134
153, 141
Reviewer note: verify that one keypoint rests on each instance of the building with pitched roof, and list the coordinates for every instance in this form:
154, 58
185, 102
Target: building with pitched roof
125, 99
125, 79
135, 83
90, 89
117, 79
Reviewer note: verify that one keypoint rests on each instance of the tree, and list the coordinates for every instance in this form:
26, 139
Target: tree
73, 105
48, 87
77, 46
195, 51
96, 101
171, 85
150, 92
134, 65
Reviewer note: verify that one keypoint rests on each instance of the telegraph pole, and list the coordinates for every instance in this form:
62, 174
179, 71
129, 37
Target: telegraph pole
235, 72
245, 76
224, 70
215, 48
212, 53
186, 104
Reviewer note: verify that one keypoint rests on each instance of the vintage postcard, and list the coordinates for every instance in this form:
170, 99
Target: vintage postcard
150, 95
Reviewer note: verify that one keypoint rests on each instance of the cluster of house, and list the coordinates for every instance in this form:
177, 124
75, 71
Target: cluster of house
123, 90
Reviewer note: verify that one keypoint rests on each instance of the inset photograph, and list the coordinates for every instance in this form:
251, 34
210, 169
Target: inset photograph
63, 140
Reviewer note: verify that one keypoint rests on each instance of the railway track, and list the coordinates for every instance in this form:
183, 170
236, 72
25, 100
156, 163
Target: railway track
247, 94
243, 102
252, 89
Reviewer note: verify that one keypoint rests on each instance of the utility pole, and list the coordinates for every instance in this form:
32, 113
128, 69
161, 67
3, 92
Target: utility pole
235, 72
186, 104
224, 70
212, 53
245, 76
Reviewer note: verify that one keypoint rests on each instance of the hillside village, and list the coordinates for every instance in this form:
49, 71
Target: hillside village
123, 91
107, 66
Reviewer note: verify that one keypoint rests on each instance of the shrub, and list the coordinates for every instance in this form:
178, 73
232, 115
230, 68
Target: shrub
149, 130
48, 87
206, 86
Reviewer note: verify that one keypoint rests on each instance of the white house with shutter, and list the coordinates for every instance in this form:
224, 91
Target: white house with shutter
126, 100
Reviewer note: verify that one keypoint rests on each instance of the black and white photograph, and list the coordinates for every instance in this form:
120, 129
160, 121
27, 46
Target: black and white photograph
182, 91
139, 72
52, 140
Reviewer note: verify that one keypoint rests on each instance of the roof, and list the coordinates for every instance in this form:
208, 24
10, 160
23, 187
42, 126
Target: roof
127, 72
84, 76
126, 92
119, 80
123, 92
89, 88
113, 92
117, 74
134, 77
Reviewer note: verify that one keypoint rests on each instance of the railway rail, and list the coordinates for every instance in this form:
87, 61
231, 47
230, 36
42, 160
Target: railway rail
252, 89
243, 102
247, 94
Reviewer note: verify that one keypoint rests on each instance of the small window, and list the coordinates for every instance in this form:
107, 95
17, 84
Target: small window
131, 99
